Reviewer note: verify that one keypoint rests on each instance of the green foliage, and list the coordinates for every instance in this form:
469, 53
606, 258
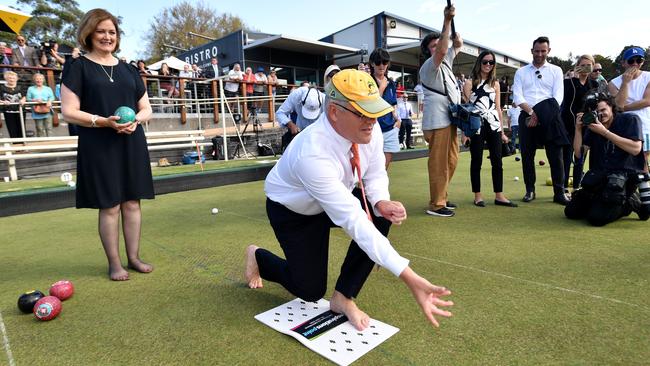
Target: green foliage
52, 20
172, 24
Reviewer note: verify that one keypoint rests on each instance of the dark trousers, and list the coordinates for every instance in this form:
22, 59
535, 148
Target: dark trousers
528, 147
305, 243
578, 166
13, 124
405, 129
476, 145
598, 213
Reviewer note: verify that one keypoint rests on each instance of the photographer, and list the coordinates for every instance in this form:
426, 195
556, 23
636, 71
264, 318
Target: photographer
50, 56
608, 189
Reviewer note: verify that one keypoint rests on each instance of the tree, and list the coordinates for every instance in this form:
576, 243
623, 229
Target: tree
171, 27
52, 20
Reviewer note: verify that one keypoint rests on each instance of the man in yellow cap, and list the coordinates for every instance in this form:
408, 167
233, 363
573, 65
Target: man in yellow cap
312, 188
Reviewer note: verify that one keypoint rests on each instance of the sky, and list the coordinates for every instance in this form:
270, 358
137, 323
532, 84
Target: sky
509, 26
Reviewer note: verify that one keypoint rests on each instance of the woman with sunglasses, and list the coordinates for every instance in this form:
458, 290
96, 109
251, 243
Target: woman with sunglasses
483, 91
631, 91
575, 90
390, 122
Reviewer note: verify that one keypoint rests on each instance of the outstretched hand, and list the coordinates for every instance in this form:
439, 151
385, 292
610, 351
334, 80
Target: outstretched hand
427, 296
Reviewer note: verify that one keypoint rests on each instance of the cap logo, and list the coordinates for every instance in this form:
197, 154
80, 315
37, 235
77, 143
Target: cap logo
332, 94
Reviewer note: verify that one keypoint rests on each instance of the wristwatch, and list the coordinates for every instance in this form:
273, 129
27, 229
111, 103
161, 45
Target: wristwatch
93, 121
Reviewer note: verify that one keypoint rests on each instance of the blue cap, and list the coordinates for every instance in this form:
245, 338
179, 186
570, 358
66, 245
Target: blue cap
633, 52
260, 69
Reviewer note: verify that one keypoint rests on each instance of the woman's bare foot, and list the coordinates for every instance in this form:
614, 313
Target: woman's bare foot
341, 304
140, 266
252, 272
118, 273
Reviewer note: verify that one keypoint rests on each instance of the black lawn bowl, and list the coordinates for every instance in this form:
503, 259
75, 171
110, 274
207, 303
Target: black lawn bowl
27, 300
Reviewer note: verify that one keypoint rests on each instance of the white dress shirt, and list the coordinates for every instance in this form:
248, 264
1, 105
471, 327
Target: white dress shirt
404, 110
293, 103
530, 88
315, 175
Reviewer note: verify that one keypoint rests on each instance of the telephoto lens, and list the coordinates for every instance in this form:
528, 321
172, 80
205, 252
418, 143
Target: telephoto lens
644, 195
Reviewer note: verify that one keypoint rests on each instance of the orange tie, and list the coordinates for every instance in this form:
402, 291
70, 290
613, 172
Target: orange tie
356, 165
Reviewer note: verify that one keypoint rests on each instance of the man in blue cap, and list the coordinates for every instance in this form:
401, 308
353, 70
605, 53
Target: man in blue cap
631, 91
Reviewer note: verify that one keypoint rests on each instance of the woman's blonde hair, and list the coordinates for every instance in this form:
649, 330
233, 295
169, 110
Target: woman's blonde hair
37, 75
586, 57
88, 25
10, 73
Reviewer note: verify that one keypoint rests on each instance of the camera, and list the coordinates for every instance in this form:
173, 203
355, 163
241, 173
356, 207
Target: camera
46, 47
644, 195
589, 109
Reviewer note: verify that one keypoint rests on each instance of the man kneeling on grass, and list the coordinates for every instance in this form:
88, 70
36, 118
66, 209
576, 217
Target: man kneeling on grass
312, 189
609, 189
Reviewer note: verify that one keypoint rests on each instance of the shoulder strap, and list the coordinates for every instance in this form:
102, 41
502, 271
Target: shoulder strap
444, 84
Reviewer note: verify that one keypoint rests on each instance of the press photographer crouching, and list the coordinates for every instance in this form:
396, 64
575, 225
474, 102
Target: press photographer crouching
608, 191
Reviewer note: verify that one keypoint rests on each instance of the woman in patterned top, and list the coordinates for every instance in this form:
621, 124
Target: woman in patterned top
482, 90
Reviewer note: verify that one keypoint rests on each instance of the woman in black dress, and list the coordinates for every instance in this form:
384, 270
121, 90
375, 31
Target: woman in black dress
10, 95
113, 171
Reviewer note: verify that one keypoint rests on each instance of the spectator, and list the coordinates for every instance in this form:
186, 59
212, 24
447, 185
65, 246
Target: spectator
363, 66
504, 87
608, 189
24, 55
597, 76
113, 167
400, 89
482, 90
4, 59
249, 80
632, 92
196, 71
390, 122
539, 90
460, 82
142, 68
52, 59
12, 93
273, 80
437, 76
513, 116
168, 83
232, 86
212, 71
307, 103
186, 73
329, 73
41, 113
260, 84
404, 112
575, 90
419, 91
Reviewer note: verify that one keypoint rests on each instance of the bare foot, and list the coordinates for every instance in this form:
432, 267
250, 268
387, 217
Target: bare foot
341, 304
118, 274
252, 272
140, 266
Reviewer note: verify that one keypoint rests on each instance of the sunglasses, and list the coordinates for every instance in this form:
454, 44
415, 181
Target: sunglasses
635, 60
488, 62
539, 74
381, 63
359, 115
598, 70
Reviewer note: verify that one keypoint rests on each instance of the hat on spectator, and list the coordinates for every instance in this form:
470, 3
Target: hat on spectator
311, 104
632, 52
360, 90
328, 71
260, 69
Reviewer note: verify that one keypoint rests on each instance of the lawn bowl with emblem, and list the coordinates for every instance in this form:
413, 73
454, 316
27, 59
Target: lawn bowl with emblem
47, 308
126, 114
27, 300
62, 290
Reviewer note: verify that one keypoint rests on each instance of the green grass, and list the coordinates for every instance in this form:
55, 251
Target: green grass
530, 286
53, 182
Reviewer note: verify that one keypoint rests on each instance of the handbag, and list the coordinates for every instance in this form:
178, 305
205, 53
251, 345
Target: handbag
41, 108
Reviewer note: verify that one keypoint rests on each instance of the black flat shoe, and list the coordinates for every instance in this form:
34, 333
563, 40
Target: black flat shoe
561, 199
479, 203
505, 203
528, 197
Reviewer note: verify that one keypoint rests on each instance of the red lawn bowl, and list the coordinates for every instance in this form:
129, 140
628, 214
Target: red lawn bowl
47, 308
63, 290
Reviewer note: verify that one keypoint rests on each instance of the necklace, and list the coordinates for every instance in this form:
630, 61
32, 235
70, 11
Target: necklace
110, 77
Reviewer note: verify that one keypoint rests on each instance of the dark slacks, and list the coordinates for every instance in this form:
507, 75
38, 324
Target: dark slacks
305, 243
405, 130
477, 142
13, 124
578, 166
528, 147
598, 213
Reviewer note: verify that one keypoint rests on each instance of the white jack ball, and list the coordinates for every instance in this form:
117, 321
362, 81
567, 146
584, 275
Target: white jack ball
516, 179
215, 211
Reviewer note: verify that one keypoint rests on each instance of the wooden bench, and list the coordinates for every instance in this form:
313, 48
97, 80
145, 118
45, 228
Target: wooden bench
12, 149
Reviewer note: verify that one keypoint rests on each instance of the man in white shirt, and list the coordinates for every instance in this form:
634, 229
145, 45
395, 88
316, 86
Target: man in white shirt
419, 90
631, 91
404, 112
231, 87
538, 89
307, 104
312, 188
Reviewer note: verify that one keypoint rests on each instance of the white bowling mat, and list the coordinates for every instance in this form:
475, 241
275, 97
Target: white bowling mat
324, 332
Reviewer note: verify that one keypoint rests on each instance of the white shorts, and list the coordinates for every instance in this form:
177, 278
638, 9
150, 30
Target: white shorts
391, 141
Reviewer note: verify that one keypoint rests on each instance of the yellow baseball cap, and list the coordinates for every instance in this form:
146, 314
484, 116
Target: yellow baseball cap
360, 90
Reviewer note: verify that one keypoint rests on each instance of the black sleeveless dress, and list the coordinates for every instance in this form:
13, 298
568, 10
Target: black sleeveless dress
111, 167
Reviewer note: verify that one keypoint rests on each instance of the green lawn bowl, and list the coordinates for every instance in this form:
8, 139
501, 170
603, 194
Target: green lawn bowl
126, 114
